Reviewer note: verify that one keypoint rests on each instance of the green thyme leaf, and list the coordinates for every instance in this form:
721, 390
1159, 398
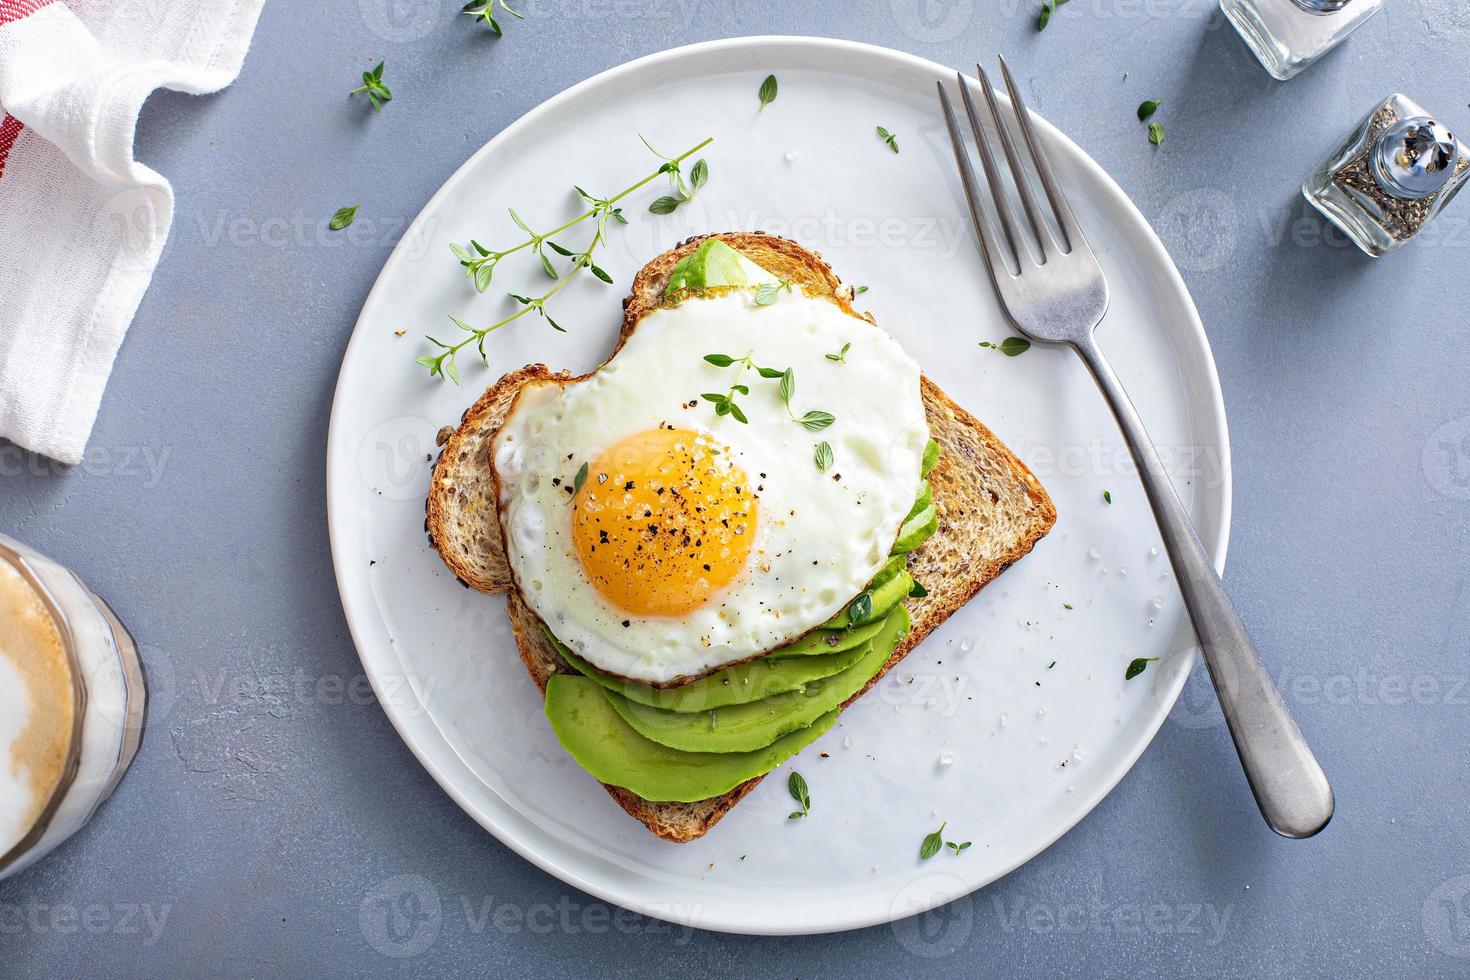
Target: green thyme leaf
720, 360
859, 290
932, 843
815, 421
343, 218
665, 205
841, 356
888, 138
861, 609
1137, 666
372, 84
787, 387
580, 479
1107, 496
797, 787
1155, 134
824, 456
1044, 18
957, 848
699, 176
1148, 108
767, 92
918, 591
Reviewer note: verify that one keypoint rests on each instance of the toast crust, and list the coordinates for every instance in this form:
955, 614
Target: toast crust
992, 509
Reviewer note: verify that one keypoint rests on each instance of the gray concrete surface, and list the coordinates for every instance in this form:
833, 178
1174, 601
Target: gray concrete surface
270, 803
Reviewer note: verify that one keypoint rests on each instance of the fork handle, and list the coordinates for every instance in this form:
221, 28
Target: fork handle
1289, 785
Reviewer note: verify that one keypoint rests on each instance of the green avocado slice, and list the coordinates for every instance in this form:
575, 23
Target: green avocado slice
739, 684
881, 597
747, 727
714, 263
593, 733
930, 460
827, 642
916, 530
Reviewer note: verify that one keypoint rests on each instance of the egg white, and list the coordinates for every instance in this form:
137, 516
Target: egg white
819, 537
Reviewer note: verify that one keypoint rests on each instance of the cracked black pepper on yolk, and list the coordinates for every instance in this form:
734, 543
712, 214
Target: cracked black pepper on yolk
663, 522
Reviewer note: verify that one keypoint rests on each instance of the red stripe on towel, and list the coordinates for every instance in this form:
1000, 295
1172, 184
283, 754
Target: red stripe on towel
16, 9
10, 128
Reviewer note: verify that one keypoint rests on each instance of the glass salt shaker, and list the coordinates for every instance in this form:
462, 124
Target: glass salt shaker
1289, 35
1394, 174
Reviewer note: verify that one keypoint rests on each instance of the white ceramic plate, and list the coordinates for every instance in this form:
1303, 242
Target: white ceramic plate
975, 726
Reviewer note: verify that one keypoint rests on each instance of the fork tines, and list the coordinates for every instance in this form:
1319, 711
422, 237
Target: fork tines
1067, 224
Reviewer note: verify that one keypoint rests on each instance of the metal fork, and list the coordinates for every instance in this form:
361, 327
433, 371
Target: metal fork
1060, 299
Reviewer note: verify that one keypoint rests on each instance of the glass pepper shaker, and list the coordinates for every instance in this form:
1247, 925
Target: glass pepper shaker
1392, 176
1289, 35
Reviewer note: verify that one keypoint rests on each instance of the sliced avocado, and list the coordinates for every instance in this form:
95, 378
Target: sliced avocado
881, 599
739, 684
931, 458
923, 500
894, 565
827, 642
748, 727
714, 263
916, 530
593, 733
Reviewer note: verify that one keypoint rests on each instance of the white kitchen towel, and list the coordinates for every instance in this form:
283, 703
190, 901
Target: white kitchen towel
81, 222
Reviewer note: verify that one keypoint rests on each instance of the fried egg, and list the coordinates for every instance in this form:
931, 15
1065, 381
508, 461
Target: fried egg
660, 536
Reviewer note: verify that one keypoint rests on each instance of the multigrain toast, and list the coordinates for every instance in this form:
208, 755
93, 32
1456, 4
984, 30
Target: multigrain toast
992, 510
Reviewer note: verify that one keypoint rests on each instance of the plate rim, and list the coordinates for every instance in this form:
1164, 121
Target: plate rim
398, 713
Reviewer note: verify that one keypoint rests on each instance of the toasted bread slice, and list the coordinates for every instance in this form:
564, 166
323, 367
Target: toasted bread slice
992, 510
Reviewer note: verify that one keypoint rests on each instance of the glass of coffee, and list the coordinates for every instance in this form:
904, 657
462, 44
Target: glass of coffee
72, 703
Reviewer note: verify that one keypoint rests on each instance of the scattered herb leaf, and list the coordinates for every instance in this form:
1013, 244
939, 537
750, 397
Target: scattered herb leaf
766, 294
1155, 134
580, 479
797, 787
918, 591
957, 848
888, 138
372, 84
1137, 666
932, 843
1010, 347
767, 92
1148, 108
343, 218
841, 356
484, 10
861, 609
1107, 496
823, 456
816, 421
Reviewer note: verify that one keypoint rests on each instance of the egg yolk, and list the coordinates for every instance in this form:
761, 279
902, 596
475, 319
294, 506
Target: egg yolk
663, 522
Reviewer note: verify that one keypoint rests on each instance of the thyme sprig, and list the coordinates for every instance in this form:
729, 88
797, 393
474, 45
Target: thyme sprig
484, 10
679, 190
480, 263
